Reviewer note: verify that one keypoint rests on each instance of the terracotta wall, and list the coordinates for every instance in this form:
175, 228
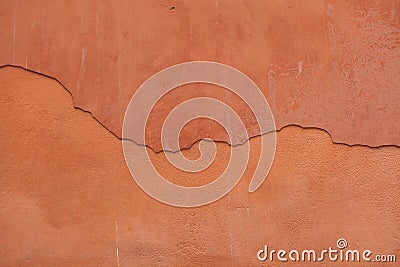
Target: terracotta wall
67, 197
327, 64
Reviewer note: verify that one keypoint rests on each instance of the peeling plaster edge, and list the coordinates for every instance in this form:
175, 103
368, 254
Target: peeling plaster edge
194, 142
66, 89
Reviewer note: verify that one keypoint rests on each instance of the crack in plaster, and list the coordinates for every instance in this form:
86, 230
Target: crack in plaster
201, 139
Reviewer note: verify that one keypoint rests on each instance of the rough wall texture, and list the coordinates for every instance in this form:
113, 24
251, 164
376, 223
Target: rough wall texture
67, 197
329, 64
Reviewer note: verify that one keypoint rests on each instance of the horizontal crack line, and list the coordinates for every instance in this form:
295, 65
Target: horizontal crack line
201, 139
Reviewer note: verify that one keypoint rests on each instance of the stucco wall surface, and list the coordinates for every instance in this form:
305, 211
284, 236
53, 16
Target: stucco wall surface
67, 198
328, 64
329, 70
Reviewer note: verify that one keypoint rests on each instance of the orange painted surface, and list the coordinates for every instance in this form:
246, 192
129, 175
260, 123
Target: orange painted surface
328, 64
67, 197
